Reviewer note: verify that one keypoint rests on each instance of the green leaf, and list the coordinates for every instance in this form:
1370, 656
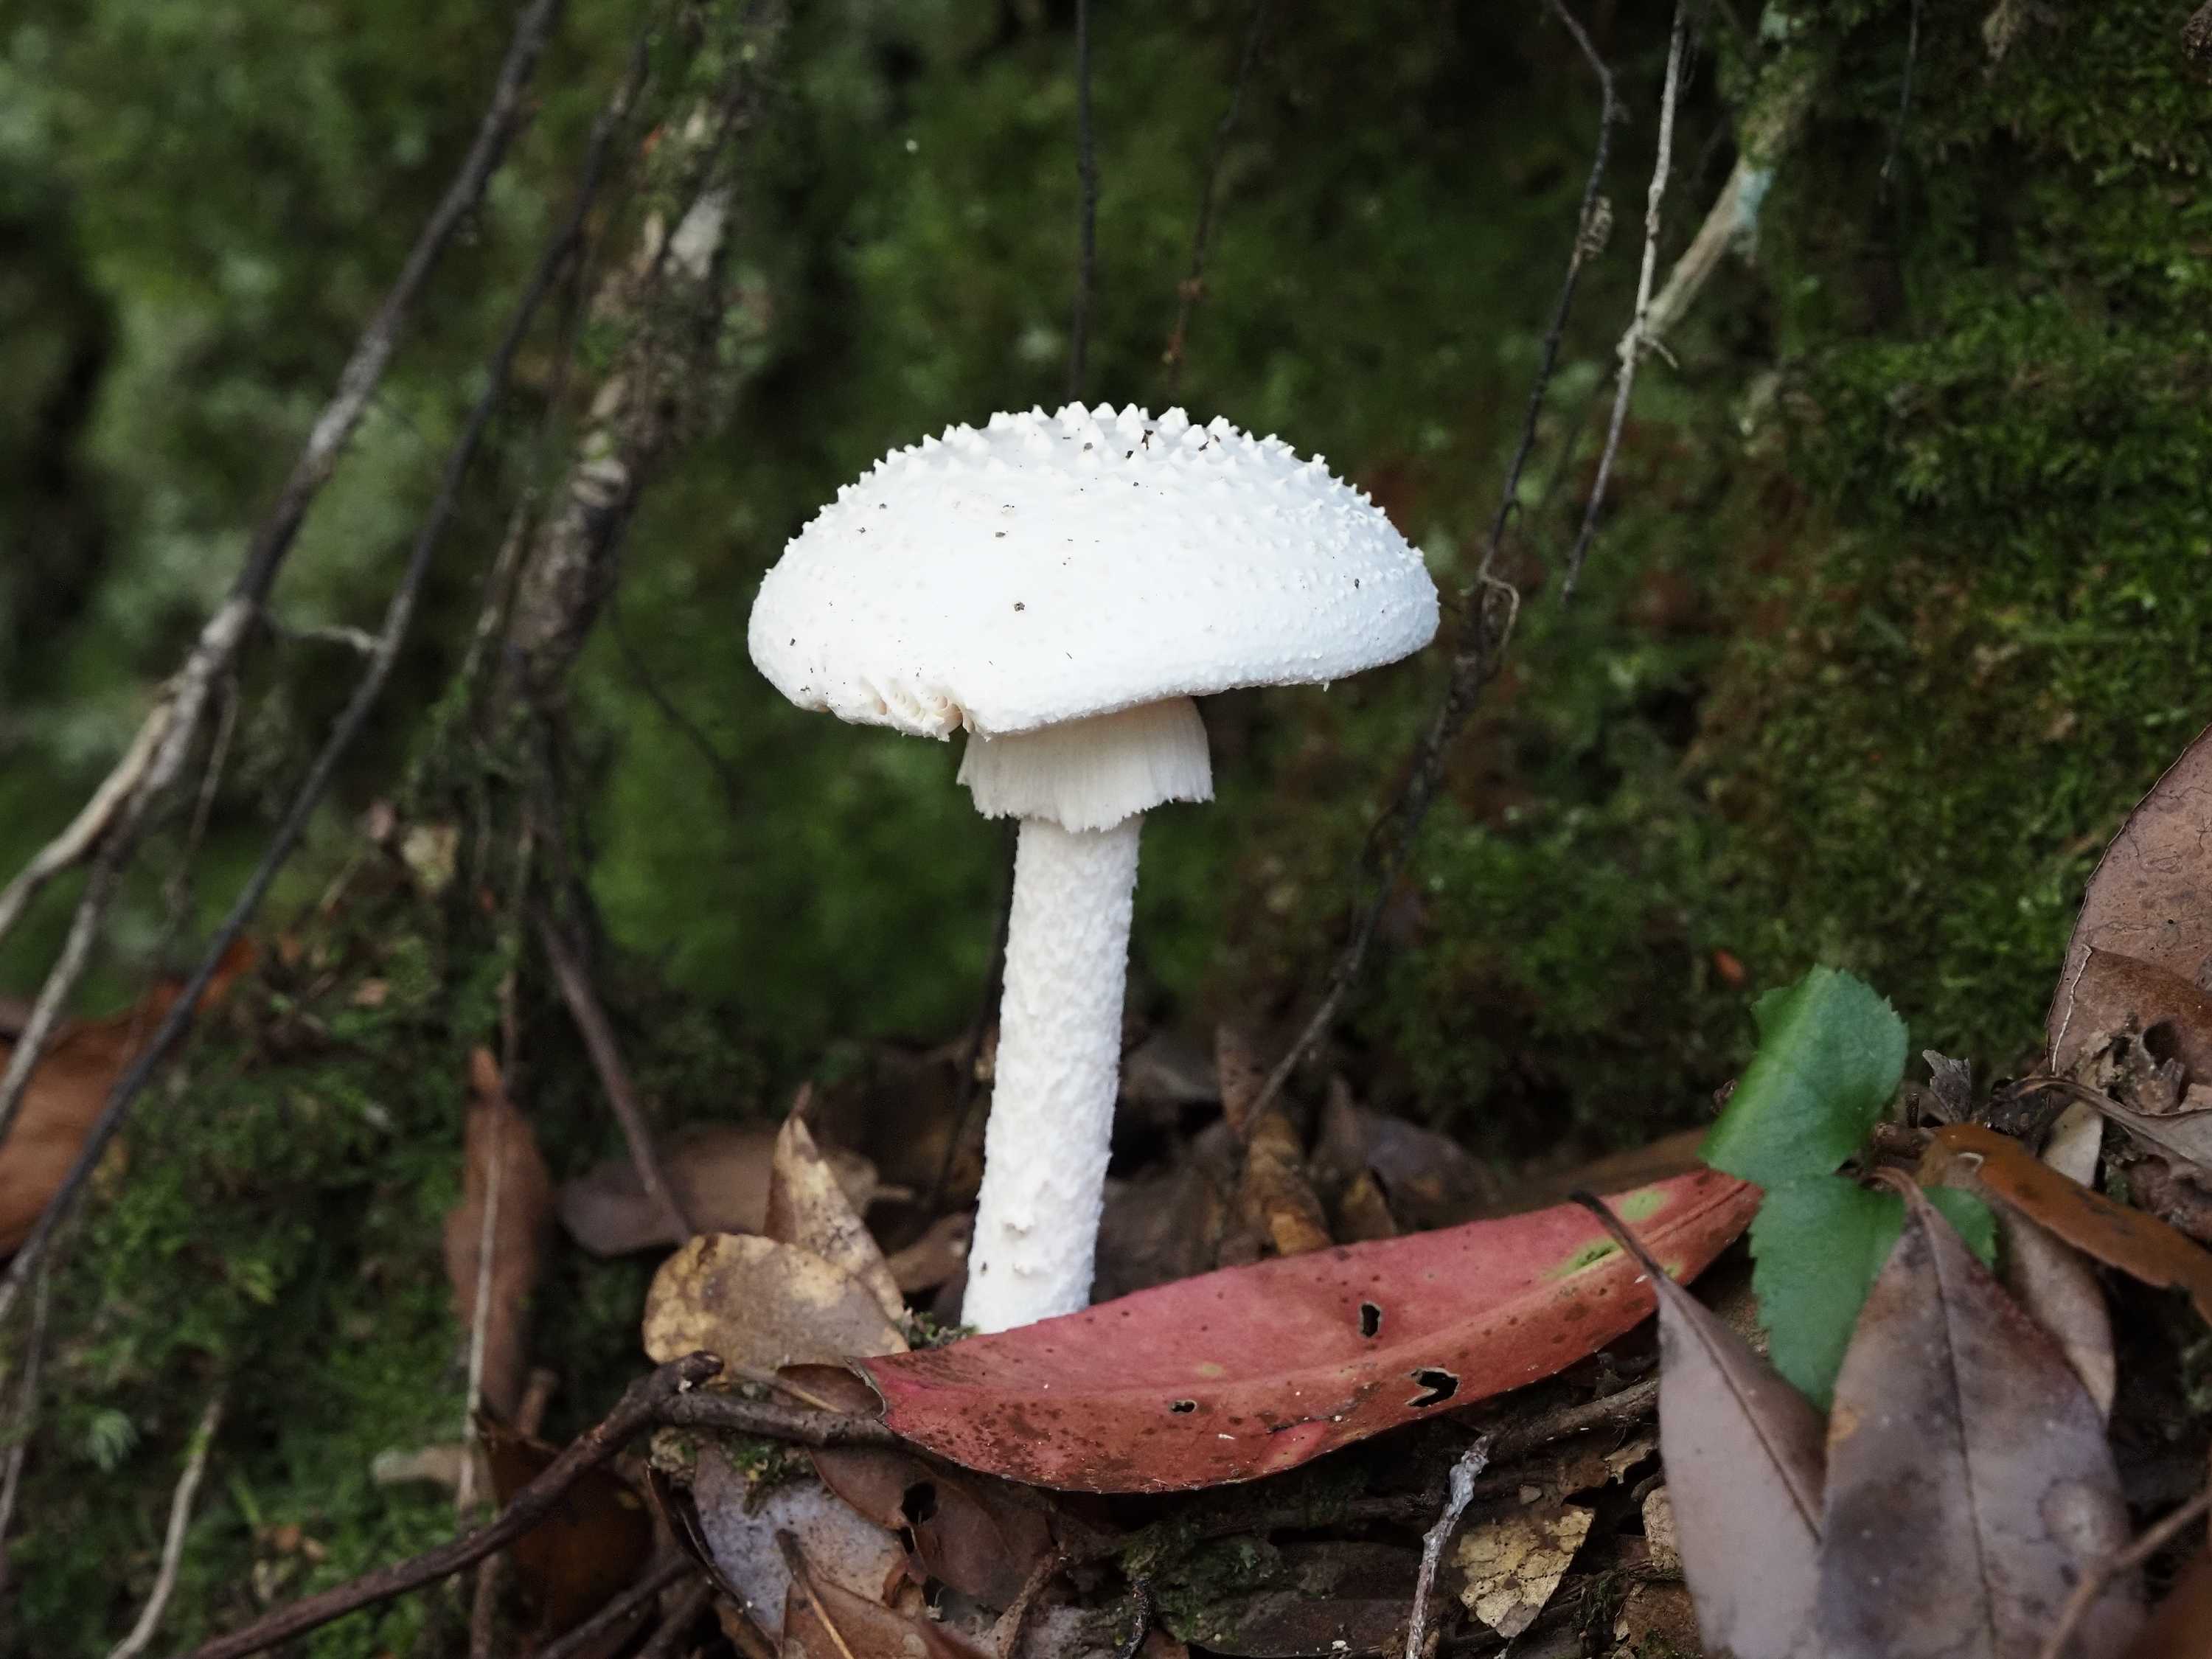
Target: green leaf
1830, 1053
1816, 1245
1976, 1222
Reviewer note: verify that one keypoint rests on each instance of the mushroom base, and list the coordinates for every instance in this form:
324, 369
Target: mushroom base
1091, 773
1059, 1060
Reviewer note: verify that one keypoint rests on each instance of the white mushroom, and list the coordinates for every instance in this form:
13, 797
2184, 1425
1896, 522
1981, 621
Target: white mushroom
1063, 587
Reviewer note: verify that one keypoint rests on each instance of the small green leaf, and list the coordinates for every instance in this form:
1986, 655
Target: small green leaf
1830, 1053
1816, 1245
1976, 1222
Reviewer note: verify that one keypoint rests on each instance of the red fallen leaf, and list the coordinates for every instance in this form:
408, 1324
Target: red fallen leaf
1254, 1370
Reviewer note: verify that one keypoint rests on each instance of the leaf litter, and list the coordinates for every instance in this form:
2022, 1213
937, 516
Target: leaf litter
1959, 1492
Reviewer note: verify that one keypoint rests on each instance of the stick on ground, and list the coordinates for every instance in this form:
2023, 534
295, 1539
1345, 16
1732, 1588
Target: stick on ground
173, 1544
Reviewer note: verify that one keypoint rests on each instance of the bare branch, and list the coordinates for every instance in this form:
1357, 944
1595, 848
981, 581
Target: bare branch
642, 1405
1497, 607
1638, 338
614, 1077
398, 615
119, 809
172, 1543
592, 1636
1193, 286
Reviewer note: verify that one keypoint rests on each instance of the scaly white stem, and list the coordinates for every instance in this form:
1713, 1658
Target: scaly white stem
1059, 1056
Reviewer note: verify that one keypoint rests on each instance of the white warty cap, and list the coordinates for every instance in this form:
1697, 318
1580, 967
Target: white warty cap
1054, 567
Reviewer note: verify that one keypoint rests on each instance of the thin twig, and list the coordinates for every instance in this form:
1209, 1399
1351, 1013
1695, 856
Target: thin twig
113, 819
99, 890
677, 1624
2100, 1573
1193, 286
1620, 1409
614, 1077
1472, 1462
1637, 340
724, 768
639, 1407
1497, 607
771, 1421
173, 1544
1086, 170
494, 1571
465, 1489
1904, 96
795, 1562
399, 612
590, 1635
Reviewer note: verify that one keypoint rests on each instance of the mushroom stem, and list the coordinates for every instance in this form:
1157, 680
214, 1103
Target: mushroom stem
1059, 1057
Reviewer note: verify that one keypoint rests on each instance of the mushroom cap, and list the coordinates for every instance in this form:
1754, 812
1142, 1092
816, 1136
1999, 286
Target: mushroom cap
1053, 568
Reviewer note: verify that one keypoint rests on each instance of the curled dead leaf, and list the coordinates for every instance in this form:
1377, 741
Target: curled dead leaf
2136, 1244
2052, 1281
507, 1207
2113, 992
720, 1175
69, 1087
808, 1207
756, 1303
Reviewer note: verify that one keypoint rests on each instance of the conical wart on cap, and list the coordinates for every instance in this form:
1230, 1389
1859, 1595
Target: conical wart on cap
1053, 568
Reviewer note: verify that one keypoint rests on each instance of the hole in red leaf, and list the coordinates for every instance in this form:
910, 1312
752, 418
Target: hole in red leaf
1438, 1386
1181, 1407
1370, 1320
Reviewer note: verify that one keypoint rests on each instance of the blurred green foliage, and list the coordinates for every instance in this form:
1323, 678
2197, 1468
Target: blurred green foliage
1904, 594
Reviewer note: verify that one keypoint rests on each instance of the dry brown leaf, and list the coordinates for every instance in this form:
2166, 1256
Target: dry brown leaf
591, 1548
822, 1619
1364, 1212
499, 1151
738, 1528
2151, 896
807, 1206
1744, 1458
2136, 1244
1969, 1484
759, 1304
1656, 1619
938, 1257
720, 1175
1513, 1563
2114, 992
69, 1087
981, 1536
1276, 1207
1428, 1180
1162, 1226
2052, 1280
1661, 1537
